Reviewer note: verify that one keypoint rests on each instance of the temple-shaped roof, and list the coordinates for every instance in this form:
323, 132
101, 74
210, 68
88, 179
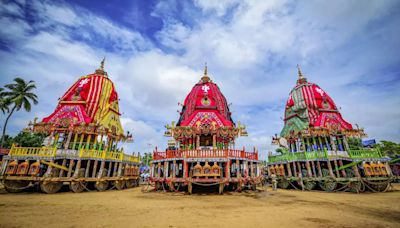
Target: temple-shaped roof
92, 99
309, 106
205, 104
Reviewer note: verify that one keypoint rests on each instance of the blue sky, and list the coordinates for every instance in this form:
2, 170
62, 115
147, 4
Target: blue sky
156, 51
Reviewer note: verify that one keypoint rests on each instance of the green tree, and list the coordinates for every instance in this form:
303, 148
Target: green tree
4, 102
8, 141
389, 148
354, 143
27, 139
146, 158
20, 95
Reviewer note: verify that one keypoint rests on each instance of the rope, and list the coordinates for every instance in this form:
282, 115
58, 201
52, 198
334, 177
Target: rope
205, 185
345, 187
173, 188
84, 186
22, 188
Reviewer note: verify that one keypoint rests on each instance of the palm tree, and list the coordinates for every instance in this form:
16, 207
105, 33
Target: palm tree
4, 102
19, 95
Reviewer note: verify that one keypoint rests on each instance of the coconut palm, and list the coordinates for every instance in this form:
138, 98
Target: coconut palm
4, 102
19, 95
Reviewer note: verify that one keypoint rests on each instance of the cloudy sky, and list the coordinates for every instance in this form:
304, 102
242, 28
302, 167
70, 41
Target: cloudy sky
155, 52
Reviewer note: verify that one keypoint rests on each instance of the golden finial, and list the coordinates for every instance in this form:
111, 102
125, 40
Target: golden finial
205, 77
101, 68
102, 63
299, 72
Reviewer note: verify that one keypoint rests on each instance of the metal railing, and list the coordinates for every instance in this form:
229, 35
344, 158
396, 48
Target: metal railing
33, 151
51, 152
365, 153
205, 153
323, 154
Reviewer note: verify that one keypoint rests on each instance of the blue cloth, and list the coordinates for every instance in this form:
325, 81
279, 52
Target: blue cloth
369, 142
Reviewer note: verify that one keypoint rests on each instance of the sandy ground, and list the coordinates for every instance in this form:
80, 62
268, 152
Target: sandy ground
132, 208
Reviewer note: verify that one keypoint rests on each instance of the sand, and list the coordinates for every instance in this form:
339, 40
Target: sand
132, 208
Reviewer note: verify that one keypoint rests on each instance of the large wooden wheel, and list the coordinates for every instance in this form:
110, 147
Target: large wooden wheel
356, 186
283, 183
309, 185
51, 187
328, 185
379, 186
130, 183
119, 184
12, 186
78, 186
102, 185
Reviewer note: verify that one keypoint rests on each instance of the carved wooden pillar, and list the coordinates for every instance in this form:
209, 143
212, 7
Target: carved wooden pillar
68, 140
308, 169
289, 170
333, 144
95, 168
102, 165
294, 169
110, 166
64, 163
71, 165
313, 169
319, 169
87, 168
159, 170
197, 141
75, 141
214, 141
77, 168
166, 169
330, 169
227, 169
336, 168
81, 141
299, 168
174, 169
116, 164
343, 171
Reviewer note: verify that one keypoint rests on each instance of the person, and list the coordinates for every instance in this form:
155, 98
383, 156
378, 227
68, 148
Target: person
274, 182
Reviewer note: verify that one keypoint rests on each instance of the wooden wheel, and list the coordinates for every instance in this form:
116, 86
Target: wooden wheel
15, 186
379, 186
101, 185
119, 184
283, 183
355, 186
309, 185
328, 185
78, 186
221, 188
130, 183
51, 187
